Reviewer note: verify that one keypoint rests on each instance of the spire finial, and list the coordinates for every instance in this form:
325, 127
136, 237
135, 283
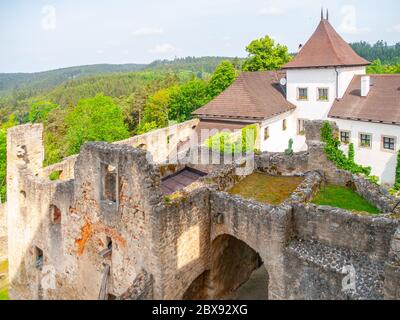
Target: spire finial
327, 14
322, 13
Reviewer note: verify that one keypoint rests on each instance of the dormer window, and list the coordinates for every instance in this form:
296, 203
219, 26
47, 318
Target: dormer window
323, 94
302, 94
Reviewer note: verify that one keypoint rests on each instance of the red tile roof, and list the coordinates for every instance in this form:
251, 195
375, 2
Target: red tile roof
382, 104
254, 95
326, 48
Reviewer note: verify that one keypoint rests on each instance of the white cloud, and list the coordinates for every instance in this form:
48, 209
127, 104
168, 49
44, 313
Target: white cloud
395, 28
148, 31
271, 11
163, 48
100, 51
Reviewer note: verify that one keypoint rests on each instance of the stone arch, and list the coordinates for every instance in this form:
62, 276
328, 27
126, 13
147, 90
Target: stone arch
232, 264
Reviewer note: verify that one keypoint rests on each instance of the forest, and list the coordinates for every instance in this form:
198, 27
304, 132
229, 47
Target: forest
111, 102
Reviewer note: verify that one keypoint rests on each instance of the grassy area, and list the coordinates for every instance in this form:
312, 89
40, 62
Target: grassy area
4, 281
345, 198
266, 189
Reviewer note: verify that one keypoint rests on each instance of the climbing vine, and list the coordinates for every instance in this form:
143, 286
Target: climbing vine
337, 156
397, 181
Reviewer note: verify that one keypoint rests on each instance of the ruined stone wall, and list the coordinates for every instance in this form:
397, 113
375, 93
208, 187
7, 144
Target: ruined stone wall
3, 233
163, 143
262, 227
65, 167
163, 247
182, 235
340, 228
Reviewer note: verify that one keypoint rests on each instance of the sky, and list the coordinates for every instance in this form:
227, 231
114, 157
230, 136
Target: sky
38, 35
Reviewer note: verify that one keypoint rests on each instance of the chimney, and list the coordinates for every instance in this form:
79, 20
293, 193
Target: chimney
365, 85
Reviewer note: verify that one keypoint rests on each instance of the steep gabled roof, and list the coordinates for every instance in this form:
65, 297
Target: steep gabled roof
326, 48
254, 95
382, 104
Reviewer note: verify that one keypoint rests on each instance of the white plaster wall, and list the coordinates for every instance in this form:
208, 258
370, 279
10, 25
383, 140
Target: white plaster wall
278, 138
383, 163
345, 77
312, 109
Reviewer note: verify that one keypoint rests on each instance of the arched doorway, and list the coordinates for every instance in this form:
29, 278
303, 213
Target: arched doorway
237, 272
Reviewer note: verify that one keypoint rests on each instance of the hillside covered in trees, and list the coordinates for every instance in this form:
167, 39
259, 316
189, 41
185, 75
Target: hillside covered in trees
109, 102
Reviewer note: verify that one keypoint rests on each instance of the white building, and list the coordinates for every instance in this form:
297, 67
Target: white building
326, 80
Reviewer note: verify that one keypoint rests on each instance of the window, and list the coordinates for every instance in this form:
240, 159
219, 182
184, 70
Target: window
39, 258
300, 127
109, 183
365, 140
302, 93
388, 143
284, 125
169, 138
345, 137
323, 94
266, 133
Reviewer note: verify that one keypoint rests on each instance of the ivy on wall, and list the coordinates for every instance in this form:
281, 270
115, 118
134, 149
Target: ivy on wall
338, 157
397, 180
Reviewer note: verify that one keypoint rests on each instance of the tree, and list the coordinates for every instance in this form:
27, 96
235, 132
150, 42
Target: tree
265, 54
187, 98
95, 119
156, 111
39, 111
222, 78
12, 121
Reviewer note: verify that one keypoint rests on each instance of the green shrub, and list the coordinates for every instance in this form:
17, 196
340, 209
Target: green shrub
223, 141
55, 175
397, 181
351, 153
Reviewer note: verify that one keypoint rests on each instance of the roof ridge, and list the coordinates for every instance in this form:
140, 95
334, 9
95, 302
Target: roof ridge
330, 39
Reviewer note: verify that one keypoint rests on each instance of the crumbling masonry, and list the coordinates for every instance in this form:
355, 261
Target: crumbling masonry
105, 230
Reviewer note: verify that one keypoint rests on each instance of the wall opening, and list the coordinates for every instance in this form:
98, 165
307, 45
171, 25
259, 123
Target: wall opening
107, 251
237, 272
55, 214
39, 258
109, 185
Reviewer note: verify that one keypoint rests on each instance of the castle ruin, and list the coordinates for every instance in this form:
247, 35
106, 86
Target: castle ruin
114, 227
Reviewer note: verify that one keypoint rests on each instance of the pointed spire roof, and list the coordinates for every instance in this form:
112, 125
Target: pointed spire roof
326, 48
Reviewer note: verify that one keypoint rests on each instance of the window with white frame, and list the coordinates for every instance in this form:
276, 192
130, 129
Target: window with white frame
300, 127
323, 94
266, 133
302, 94
365, 140
345, 137
388, 143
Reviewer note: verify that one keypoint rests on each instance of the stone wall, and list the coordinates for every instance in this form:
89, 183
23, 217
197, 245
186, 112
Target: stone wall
163, 144
65, 167
107, 230
3, 233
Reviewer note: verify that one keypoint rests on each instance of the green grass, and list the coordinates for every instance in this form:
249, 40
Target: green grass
345, 198
266, 189
4, 281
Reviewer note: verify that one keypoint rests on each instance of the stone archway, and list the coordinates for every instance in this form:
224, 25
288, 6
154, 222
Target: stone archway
236, 272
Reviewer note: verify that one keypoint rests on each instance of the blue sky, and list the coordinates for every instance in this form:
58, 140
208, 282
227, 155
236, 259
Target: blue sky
41, 35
